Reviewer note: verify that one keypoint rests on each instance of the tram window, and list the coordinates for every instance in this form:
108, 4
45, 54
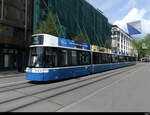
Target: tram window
110, 58
130, 59
106, 58
50, 58
96, 58
63, 58
36, 57
73, 58
100, 58
83, 58
113, 59
120, 59
103, 58
125, 58
37, 40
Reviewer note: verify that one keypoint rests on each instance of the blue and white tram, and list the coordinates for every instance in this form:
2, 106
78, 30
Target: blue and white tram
52, 58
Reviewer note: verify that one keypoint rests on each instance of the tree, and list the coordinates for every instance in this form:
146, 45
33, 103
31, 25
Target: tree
138, 46
142, 46
147, 44
49, 26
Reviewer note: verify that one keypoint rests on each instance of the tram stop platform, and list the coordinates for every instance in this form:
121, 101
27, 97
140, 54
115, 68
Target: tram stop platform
129, 94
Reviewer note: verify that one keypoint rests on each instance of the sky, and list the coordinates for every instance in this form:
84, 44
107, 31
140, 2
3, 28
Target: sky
120, 12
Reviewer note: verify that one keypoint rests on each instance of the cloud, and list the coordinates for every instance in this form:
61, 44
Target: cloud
134, 15
129, 5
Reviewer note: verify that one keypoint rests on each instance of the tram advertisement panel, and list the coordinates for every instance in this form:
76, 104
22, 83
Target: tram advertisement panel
72, 44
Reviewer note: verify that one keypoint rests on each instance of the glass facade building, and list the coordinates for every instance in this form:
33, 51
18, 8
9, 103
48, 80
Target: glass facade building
19, 19
14, 35
75, 16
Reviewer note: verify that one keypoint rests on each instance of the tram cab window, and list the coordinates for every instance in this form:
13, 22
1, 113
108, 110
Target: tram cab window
50, 58
36, 57
37, 40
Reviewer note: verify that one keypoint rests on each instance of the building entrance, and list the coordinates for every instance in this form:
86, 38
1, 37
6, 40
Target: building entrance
8, 59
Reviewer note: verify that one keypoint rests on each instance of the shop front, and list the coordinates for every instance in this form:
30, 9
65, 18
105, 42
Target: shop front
11, 59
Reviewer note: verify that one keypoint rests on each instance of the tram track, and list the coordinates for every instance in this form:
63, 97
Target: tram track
29, 84
70, 88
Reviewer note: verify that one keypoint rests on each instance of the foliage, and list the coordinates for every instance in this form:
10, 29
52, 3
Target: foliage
1, 28
147, 43
138, 44
108, 44
49, 26
80, 37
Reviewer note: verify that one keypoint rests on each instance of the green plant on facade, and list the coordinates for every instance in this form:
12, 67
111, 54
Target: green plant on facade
108, 44
1, 28
49, 26
80, 37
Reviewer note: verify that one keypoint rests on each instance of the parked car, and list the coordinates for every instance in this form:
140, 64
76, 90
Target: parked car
145, 59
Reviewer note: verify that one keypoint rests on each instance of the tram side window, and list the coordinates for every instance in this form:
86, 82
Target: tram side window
83, 58
121, 59
106, 58
103, 58
126, 59
114, 59
130, 59
100, 58
63, 58
109, 58
73, 58
96, 58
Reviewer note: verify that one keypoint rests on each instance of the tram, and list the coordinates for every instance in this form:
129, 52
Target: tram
53, 58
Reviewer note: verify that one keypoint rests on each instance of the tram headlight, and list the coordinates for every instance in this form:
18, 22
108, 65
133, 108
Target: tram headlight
28, 69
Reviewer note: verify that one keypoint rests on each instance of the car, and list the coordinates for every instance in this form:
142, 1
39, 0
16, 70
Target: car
145, 59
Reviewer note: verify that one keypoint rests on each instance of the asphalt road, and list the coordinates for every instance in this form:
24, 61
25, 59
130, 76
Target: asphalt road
121, 90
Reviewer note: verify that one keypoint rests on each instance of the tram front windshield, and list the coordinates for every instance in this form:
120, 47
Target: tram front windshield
41, 57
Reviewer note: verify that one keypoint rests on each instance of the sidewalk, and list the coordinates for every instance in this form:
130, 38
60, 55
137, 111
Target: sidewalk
130, 94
